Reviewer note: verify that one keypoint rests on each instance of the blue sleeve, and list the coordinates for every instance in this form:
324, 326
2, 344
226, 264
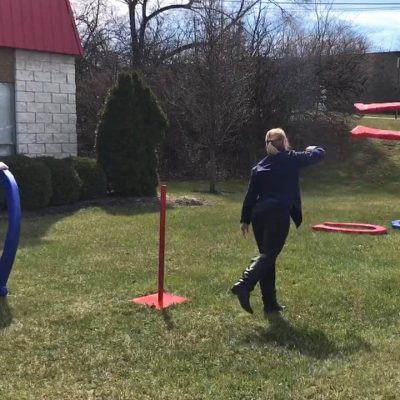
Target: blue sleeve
305, 158
250, 199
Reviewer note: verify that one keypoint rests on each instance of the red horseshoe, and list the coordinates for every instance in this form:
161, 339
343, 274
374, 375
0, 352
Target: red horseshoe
350, 227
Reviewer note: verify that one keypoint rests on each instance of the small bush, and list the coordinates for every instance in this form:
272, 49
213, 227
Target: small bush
66, 183
94, 182
34, 181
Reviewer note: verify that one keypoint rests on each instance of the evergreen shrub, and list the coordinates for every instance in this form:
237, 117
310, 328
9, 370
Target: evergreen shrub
131, 126
33, 179
66, 183
92, 176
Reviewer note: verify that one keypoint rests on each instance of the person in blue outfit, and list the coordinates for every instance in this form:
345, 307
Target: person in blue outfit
272, 198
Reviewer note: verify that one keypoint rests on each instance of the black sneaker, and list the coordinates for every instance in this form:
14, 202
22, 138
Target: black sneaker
243, 295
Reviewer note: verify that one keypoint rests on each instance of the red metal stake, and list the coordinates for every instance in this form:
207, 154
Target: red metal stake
161, 299
161, 247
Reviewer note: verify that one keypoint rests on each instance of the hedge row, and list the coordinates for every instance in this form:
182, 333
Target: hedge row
46, 181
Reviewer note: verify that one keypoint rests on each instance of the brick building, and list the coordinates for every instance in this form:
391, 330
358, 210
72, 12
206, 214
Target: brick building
38, 46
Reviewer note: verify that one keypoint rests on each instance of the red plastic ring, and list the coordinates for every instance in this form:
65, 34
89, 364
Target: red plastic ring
350, 227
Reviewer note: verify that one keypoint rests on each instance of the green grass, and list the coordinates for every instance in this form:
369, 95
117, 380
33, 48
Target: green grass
67, 330
382, 122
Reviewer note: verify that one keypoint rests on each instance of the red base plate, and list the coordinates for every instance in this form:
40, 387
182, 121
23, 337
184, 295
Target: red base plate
151, 300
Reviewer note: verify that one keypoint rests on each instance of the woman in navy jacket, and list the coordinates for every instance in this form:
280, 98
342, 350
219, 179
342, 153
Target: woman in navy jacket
273, 196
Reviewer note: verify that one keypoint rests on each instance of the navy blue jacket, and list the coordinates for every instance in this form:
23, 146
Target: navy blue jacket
277, 177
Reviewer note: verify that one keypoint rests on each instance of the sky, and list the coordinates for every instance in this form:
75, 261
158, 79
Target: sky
379, 20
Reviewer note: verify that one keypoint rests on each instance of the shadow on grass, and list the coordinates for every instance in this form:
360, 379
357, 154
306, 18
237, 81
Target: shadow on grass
5, 313
35, 225
115, 205
169, 323
310, 342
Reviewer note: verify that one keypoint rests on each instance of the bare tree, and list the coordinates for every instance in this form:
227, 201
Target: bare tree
146, 28
102, 60
210, 89
145, 19
333, 51
306, 69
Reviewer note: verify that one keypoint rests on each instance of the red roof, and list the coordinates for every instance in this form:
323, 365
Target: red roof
42, 25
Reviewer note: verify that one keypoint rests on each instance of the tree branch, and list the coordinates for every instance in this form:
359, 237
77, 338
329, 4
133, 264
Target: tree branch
180, 49
168, 8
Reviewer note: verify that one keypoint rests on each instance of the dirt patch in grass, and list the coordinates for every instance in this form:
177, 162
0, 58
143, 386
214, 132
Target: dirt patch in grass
187, 201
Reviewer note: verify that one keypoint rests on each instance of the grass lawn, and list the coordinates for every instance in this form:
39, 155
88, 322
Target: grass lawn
67, 330
381, 121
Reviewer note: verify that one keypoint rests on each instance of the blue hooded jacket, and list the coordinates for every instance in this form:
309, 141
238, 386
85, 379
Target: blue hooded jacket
277, 177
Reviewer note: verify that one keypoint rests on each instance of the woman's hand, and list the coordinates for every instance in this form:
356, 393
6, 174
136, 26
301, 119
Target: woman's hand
3, 166
244, 228
311, 148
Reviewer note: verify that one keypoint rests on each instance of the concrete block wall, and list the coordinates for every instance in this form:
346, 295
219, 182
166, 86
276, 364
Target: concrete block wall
45, 104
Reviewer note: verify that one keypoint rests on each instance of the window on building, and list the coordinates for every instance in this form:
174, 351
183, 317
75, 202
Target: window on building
7, 102
7, 119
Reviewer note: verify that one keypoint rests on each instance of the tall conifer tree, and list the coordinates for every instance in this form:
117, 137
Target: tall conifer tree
131, 126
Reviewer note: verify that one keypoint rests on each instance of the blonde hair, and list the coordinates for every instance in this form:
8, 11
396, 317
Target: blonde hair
278, 134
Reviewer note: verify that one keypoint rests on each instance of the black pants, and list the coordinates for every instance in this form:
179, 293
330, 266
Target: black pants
270, 221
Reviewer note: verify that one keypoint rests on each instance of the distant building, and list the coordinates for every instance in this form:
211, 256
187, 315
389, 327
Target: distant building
382, 77
38, 46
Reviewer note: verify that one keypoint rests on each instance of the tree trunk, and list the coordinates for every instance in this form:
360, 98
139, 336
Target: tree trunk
135, 56
212, 170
